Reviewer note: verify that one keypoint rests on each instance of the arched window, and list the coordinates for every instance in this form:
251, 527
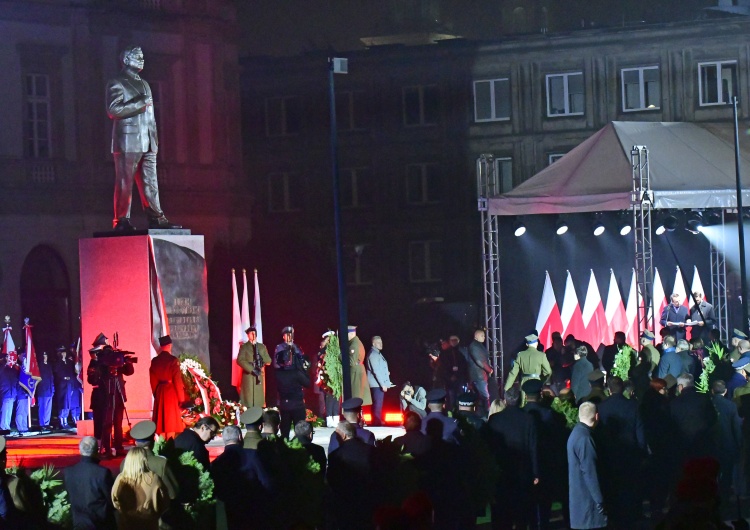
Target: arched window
45, 298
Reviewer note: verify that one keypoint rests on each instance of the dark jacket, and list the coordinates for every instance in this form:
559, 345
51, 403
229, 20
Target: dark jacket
45, 387
363, 434
552, 434
478, 361
317, 453
730, 427
670, 363
289, 384
449, 425
238, 476
586, 500
89, 487
414, 443
8, 382
579, 374
350, 478
709, 319
188, 440
513, 440
694, 417
674, 314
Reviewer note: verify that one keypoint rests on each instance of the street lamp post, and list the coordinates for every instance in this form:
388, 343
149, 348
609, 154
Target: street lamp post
338, 65
740, 219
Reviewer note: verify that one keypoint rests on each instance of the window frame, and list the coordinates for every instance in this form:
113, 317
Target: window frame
498, 160
351, 108
493, 101
426, 245
566, 94
641, 87
359, 277
421, 89
556, 156
718, 65
287, 177
30, 128
284, 116
353, 174
425, 184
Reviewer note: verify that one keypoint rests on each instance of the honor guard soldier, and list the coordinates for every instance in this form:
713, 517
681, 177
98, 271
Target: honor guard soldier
737, 336
95, 377
352, 412
291, 377
253, 358
436, 407
530, 364
168, 390
252, 419
357, 372
647, 345
45, 389
65, 373
8, 388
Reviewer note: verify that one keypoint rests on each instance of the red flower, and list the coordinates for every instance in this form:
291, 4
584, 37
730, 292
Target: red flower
198, 401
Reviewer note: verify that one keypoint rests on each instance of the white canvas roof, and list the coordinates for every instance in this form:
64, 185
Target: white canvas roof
691, 166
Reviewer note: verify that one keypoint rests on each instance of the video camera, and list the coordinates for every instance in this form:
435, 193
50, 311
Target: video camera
112, 358
433, 349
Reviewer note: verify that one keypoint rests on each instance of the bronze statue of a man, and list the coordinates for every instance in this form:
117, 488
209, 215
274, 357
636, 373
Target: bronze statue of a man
135, 143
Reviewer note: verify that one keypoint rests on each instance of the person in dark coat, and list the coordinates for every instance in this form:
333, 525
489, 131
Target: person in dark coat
451, 370
45, 389
65, 373
586, 500
729, 442
623, 446
8, 389
195, 439
414, 441
694, 417
352, 412
466, 410
512, 437
704, 316
674, 316
95, 376
580, 371
479, 370
573, 343
304, 432
552, 434
670, 362
610, 351
436, 414
657, 425
89, 487
291, 377
238, 476
349, 474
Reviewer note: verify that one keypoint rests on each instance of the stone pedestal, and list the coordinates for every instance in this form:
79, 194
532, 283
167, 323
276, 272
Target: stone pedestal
129, 285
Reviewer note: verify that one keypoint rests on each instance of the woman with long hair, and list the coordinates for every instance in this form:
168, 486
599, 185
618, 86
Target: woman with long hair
139, 495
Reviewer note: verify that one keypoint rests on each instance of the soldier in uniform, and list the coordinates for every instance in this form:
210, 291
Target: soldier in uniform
45, 389
8, 388
352, 412
530, 363
252, 418
466, 409
168, 390
737, 336
357, 372
436, 414
647, 345
291, 377
95, 378
77, 385
23, 401
65, 373
253, 358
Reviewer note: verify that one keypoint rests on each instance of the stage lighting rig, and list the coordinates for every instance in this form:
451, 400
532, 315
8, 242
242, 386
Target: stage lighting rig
694, 223
668, 223
519, 228
561, 226
624, 223
598, 226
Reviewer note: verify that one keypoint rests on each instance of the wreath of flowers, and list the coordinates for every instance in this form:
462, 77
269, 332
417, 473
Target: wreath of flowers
204, 395
330, 370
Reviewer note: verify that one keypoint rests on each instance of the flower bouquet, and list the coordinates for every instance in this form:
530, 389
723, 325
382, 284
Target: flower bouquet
204, 395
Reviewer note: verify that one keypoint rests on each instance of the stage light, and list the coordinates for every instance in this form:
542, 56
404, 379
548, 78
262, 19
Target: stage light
694, 224
562, 227
624, 224
712, 217
667, 224
598, 226
519, 229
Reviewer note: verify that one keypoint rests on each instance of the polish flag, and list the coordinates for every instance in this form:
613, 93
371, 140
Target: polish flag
658, 303
679, 287
594, 319
572, 320
257, 322
548, 319
632, 313
237, 334
245, 311
697, 285
617, 319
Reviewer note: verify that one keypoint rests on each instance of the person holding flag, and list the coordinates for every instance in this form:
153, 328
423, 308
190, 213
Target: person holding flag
8, 377
28, 378
45, 389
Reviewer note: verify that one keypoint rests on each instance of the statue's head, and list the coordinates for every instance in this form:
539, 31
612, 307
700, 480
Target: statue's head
132, 56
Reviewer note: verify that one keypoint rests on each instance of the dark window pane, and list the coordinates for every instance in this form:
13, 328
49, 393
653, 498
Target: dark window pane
556, 95
294, 192
417, 261
431, 104
436, 260
361, 105
343, 114
41, 85
482, 100
411, 106
276, 193
434, 184
414, 191
502, 98
708, 81
347, 188
274, 116
293, 115
365, 187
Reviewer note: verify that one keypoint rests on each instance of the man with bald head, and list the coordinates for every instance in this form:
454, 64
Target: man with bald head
89, 487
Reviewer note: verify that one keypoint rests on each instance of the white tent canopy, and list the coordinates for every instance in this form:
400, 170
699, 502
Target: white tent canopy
691, 166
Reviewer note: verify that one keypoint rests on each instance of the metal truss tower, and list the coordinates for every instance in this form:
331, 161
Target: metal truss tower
488, 186
642, 202
719, 282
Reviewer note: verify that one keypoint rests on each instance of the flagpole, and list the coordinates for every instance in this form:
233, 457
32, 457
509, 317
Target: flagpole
740, 220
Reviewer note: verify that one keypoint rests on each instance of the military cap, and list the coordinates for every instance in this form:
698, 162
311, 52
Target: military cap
165, 340
647, 335
251, 328
436, 395
63, 348
354, 403
328, 334
742, 362
100, 340
596, 375
671, 381
738, 334
92, 351
532, 338
143, 430
532, 386
466, 399
2, 444
288, 329
251, 415
352, 329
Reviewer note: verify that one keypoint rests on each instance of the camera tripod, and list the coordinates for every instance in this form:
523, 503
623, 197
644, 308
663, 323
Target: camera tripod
115, 397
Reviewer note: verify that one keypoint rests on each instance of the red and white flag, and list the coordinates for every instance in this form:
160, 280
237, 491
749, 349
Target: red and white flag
617, 318
632, 313
658, 303
9, 347
594, 318
679, 288
571, 317
697, 286
548, 319
245, 312
237, 334
257, 321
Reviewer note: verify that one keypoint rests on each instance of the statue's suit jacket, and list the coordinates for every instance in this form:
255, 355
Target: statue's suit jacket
133, 122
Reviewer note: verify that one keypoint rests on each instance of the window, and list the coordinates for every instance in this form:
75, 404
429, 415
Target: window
717, 82
283, 193
421, 105
351, 110
554, 157
565, 94
37, 122
504, 168
423, 184
358, 264
283, 116
425, 261
492, 100
641, 89
356, 187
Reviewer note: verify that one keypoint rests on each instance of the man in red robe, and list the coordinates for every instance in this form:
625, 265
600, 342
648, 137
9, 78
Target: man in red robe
168, 389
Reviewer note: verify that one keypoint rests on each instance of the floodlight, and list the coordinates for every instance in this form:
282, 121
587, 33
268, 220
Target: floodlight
694, 223
624, 224
562, 227
519, 229
598, 226
668, 223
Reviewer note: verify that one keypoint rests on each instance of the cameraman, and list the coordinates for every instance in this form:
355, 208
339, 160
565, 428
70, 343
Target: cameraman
291, 376
414, 399
114, 365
